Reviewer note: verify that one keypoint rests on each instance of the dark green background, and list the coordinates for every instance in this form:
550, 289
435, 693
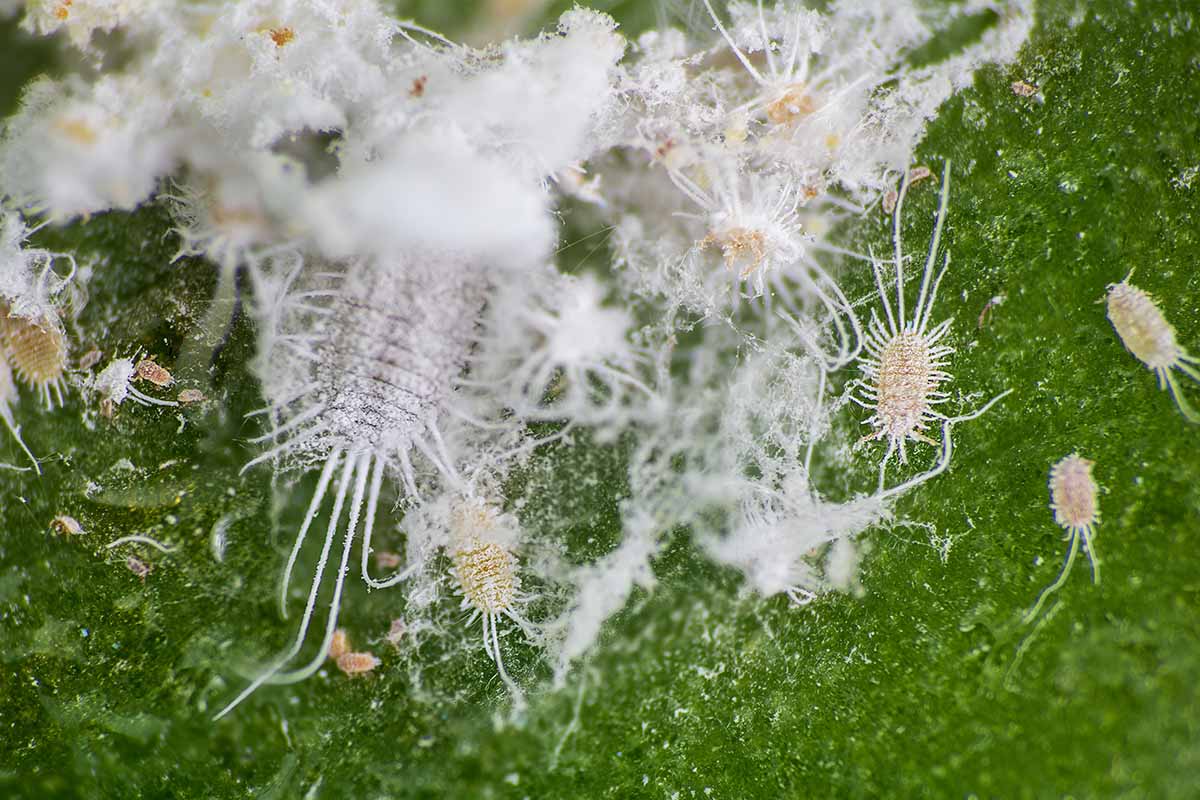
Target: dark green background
697, 687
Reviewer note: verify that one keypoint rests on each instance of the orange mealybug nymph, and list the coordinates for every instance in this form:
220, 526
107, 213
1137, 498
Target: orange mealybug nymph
339, 645
357, 663
1073, 499
1146, 333
150, 370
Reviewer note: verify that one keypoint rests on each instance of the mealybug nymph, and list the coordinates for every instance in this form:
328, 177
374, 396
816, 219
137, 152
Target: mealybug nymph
37, 351
905, 365
1073, 499
486, 570
1146, 333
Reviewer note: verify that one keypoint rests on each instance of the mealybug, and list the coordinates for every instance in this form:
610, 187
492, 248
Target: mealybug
905, 365
150, 370
361, 379
1073, 495
1146, 333
486, 571
114, 384
348, 661
37, 351
339, 645
66, 525
357, 663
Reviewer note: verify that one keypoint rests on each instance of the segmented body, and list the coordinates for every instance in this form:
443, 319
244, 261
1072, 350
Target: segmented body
1073, 494
37, 351
1074, 501
486, 570
486, 573
907, 372
357, 663
396, 340
904, 368
149, 370
364, 370
28, 352
1146, 333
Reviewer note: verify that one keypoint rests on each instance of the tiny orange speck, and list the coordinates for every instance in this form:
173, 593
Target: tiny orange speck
339, 645
281, 36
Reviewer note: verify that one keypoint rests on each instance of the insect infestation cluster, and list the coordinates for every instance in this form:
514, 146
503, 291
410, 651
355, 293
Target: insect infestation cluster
417, 341
1143, 329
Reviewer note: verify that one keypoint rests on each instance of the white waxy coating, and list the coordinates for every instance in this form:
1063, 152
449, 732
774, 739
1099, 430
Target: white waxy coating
112, 383
8, 396
485, 571
8, 386
1142, 327
907, 379
1073, 493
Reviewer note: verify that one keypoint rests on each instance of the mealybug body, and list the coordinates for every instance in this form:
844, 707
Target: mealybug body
37, 350
1146, 333
33, 340
357, 663
365, 368
339, 645
788, 92
905, 365
150, 370
1073, 499
349, 661
486, 570
66, 525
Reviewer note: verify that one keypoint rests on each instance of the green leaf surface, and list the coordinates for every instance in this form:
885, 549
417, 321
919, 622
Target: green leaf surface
912, 687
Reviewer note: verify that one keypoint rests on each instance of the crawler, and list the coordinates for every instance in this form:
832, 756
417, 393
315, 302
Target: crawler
1073, 495
339, 645
349, 661
1023, 89
190, 397
138, 567
357, 663
150, 370
114, 384
1146, 333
